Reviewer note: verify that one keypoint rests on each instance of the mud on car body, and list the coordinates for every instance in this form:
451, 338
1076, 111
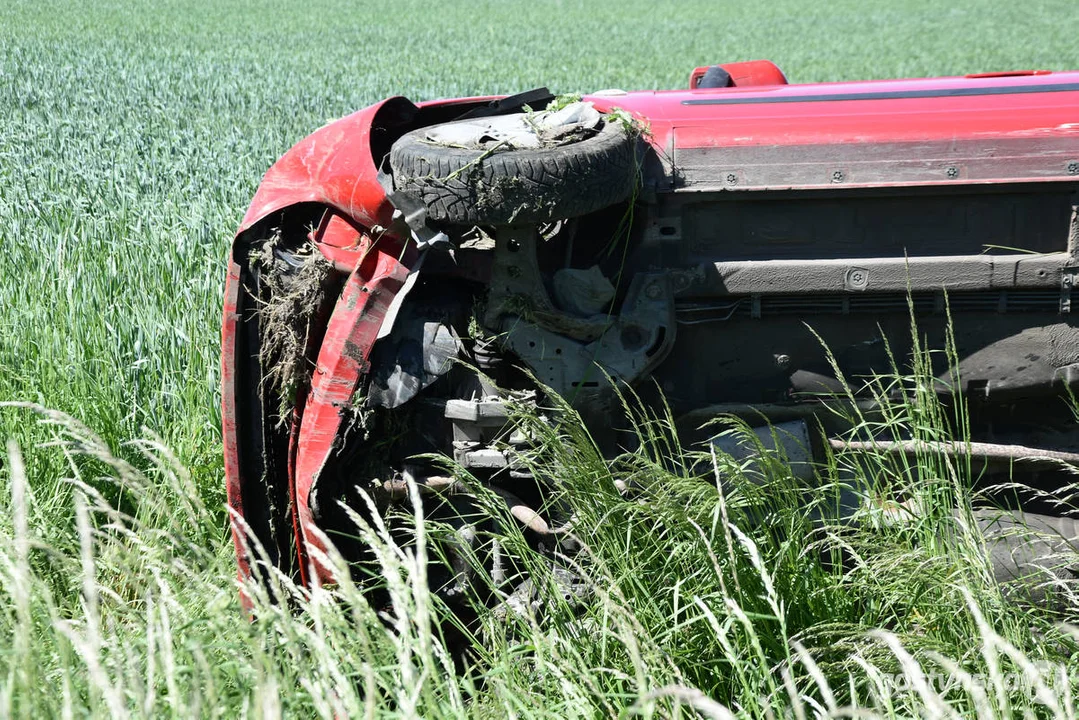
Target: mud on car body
406, 272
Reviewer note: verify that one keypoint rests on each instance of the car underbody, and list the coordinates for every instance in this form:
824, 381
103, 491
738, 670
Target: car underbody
744, 248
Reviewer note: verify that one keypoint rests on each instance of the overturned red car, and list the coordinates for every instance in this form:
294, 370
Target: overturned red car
405, 271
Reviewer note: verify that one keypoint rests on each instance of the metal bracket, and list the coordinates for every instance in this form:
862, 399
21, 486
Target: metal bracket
632, 344
568, 353
482, 435
411, 212
1069, 277
517, 288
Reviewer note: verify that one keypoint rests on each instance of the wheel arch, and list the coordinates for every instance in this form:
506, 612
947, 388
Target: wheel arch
267, 498
337, 165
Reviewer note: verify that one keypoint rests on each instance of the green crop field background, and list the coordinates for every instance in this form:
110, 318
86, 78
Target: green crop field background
132, 136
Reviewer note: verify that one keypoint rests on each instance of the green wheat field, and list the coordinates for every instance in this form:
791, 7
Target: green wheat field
132, 136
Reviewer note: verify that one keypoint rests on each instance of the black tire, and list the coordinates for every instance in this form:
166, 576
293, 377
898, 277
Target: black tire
480, 187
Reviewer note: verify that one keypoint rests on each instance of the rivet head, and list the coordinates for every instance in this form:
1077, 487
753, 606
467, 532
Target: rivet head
1073, 167
838, 176
857, 278
953, 172
783, 361
732, 179
653, 291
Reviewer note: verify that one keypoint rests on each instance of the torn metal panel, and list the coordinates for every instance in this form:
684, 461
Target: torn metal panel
410, 358
584, 292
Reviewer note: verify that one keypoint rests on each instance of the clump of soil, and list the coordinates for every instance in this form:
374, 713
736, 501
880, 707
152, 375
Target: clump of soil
505, 193
293, 286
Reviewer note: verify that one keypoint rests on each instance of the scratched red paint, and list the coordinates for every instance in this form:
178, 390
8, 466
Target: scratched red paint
228, 415
342, 360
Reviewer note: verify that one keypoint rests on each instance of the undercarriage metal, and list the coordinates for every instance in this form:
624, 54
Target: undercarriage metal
569, 354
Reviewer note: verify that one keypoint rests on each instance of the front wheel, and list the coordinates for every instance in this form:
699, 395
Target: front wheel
469, 172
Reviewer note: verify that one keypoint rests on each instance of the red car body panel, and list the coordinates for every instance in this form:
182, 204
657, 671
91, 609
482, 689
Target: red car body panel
229, 430
376, 272
861, 112
342, 361
331, 166
995, 128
